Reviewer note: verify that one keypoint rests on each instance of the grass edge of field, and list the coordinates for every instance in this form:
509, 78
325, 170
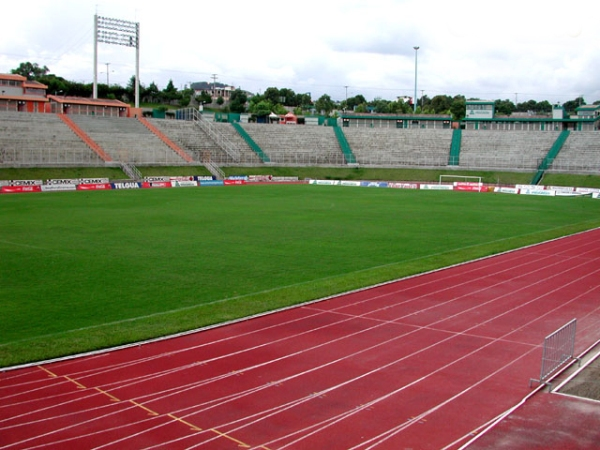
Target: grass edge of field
220, 311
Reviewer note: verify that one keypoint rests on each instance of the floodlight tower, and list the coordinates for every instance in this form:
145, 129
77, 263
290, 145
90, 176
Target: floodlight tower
119, 32
415, 97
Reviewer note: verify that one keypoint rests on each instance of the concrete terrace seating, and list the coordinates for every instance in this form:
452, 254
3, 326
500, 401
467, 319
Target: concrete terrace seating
292, 145
190, 138
392, 147
35, 139
127, 140
580, 153
247, 156
514, 150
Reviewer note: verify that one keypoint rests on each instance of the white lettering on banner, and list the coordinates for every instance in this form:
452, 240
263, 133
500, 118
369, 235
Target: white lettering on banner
132, 185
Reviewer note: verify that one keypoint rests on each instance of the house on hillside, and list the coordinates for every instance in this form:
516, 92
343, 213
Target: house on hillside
19, 94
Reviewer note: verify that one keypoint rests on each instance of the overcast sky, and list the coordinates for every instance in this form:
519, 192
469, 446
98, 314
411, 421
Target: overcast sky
510, 49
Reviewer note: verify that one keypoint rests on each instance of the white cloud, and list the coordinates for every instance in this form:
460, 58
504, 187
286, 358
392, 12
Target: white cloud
544, 51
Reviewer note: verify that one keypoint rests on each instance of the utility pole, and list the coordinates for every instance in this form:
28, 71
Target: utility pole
107, 83
214, 78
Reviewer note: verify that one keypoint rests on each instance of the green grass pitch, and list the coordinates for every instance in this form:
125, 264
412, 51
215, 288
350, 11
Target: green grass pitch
88, 270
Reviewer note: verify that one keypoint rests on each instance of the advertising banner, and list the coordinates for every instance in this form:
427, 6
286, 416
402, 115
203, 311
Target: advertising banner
156, 184
375, 184
437, 187
230, 182
470, 187
26, 182
260, 178
20, 189
326, 182
127, 185
183, 183
506, 190
63, 181
95, 181
59, 187
212, 183
351, 183
94, 187
538, 191
403, 185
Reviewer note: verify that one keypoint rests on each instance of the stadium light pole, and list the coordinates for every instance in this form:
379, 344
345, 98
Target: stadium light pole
415, 97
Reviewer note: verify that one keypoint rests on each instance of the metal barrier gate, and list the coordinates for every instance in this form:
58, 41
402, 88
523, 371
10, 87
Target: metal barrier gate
558, 350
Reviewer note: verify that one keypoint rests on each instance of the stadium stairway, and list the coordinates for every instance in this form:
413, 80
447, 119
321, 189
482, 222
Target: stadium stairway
85, 138
454, 158
345, 146
166, 140
253, 145
549, 158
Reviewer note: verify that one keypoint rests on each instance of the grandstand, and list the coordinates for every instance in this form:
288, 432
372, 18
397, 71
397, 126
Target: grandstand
127, 140
290, 145
30, 139
391, 147
580, 154
517, 150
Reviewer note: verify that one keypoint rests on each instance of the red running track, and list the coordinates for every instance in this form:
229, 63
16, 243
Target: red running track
422, 363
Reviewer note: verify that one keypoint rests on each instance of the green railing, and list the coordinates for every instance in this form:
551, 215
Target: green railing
344, 145
552, 154
253, 145
454, 158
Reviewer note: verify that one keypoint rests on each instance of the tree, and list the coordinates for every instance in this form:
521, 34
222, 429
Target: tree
237, 101
304, 100
30, 71
261, 108
204, 98
325, 104
152, 94
505, 107
352, 102
458, 108
170, 93
572, 105
441, 104
273, 95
